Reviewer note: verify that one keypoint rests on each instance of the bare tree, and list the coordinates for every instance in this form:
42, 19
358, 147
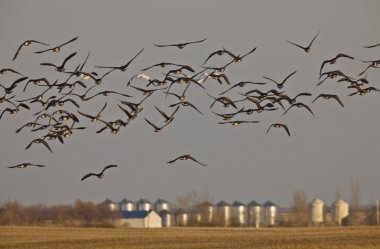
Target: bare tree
355, 193
299, 209
192, 199
338, 192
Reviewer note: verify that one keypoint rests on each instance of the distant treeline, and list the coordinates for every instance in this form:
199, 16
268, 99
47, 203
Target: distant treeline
80, 214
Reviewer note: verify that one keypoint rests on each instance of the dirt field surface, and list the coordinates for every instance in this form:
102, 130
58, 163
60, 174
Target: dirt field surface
93, 238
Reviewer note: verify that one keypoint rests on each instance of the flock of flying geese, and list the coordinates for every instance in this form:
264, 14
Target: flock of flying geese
80, 84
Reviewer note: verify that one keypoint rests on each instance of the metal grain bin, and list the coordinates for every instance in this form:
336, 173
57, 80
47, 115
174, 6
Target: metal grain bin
196, 219
110, 204
161, 205
127, 205
223, 210
316, 212
255, 214
182, 218
270, 214
239, 214
340, 211
167, 218
206, 211
144, 205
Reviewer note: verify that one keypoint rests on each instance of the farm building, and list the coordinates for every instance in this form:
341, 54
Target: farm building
140, 219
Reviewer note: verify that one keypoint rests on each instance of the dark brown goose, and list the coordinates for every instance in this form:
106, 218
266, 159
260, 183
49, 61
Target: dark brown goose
333, 60
280, 84
242, 84
4, 70
287, 98
239, 58
163, 64
9, 90
168, 119
279, 125
238, 122
39, 141
155, 127
229, 116
186, 103
218, 77
7, 99
299, 105
107, 93
186, 157
37, 82
181, 97
180, 45
224, 100
57, 48
147, 91
260, 108
14, 110
220, 69
60, 68
372, 46
363, 91
25, 44
306, 49
220, 53
24, 165
99, 175
329, 96
123, 67
373, 64
96, 117
331, 75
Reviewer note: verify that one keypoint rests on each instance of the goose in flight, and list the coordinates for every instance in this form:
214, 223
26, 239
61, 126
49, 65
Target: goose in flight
24, 165
60, 68
299, 105
333, 60
306, 49
280, 84
96, 117
180, 45
279, 125
329, 96
186, 157
98, 175
125, 66
25, 44
239, 122
57, 48
39, 141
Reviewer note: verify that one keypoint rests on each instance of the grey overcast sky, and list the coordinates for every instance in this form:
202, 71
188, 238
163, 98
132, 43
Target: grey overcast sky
243, 163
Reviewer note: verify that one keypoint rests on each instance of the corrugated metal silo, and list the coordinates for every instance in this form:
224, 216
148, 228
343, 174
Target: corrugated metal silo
127, 205
197, 218
182, 218
206, 211
340, 210
316, 212
223, 210
161, 205
239, 214
167, 218
110, 204
144, 205
270, 214
255, 214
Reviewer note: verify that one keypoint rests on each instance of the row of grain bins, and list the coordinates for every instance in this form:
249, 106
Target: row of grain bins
222, 214
252, 214
318, 211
